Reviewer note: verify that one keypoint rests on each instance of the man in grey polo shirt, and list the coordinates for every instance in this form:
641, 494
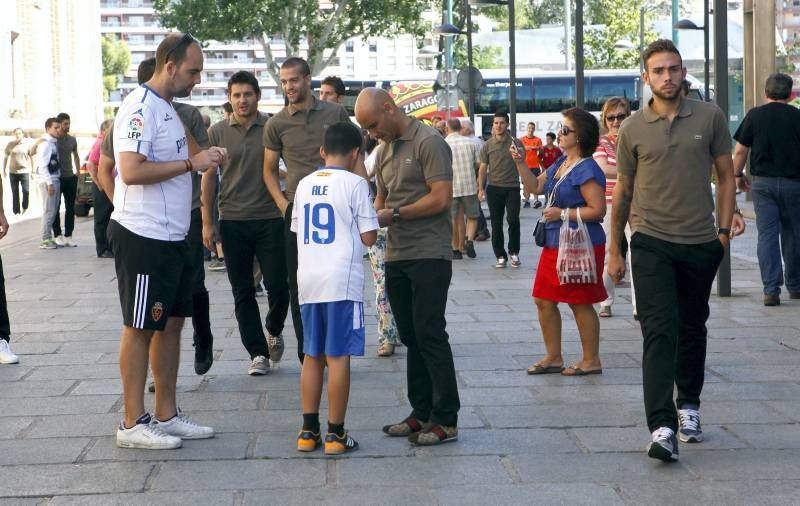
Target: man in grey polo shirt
502, 194
664, 155
296, 134
415, 192
250, 223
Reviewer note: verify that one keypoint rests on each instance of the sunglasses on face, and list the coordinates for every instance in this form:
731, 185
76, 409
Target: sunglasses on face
185, 41
618, 117
566, 131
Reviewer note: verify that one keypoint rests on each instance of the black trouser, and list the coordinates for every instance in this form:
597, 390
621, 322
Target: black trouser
263, 240
291, 266
201, 319
5, 325
69, 188
502, 200
17, 181
417, 291
673, 283
102, 215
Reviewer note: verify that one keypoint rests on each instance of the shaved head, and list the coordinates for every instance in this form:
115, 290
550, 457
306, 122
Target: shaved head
376, 112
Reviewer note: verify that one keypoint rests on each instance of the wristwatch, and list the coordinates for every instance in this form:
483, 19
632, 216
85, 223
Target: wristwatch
395, 214
725, 231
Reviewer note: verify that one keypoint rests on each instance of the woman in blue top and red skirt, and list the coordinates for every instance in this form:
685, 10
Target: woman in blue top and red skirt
573, 182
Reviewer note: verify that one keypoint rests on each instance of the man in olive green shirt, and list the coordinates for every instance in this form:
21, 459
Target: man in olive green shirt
414, 173
250, 223
296, 134
664, 155
502, 193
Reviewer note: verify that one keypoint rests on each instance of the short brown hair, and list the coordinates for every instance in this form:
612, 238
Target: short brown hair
336, 83
660, 46
294, 61
454, 124
173, 47
611, 104
587, 129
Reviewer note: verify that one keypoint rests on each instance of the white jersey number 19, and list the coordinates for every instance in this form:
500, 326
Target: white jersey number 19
314, 218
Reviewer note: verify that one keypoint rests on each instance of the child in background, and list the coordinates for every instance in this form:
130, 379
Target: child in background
550, 152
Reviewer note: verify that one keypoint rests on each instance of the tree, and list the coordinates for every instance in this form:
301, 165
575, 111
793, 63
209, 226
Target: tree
528, 14
615, 20
116, 61
489, 57
290, 22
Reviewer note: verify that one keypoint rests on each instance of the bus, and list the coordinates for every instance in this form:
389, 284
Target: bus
541, 95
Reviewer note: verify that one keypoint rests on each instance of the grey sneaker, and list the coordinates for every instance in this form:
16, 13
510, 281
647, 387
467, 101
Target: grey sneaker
515, 260
434, 435
216, 265
275, 346
183, 427
689, 420
664, 445
501, 263
259, 366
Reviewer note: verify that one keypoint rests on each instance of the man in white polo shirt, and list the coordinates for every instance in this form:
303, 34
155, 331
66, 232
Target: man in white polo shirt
152, 205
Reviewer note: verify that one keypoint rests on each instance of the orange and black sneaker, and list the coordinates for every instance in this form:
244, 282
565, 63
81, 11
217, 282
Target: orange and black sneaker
308, 441
337, 445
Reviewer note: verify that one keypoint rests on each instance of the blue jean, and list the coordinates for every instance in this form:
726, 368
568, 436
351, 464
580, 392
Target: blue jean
777, 206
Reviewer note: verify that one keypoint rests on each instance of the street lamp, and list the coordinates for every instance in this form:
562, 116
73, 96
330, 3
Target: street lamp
628, 45
687, 24
449, 31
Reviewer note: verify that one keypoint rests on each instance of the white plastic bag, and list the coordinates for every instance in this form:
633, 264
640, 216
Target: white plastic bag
575, 264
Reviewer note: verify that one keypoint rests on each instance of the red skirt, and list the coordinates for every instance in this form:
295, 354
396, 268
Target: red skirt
547, 287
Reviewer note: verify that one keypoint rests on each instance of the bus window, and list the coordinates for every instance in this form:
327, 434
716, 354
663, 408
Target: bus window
492, 96
604, 87
553, 94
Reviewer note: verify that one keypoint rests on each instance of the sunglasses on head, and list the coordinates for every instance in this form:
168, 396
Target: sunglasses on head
185, 41
566, 130
618, 117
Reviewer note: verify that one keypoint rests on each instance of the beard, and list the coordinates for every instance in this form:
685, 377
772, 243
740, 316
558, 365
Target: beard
667, 97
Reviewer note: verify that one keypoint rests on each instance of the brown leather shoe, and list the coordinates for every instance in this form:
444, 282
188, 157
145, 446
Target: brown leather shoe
772, 300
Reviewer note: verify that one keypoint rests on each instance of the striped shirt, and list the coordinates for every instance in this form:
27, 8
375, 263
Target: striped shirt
465, 156
607, 148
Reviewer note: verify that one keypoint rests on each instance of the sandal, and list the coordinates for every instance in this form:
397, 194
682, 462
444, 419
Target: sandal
386, 350
577, 371
539, 368
605, 312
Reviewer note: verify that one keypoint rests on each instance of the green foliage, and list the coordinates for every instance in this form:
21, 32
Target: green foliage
619, 20
489, 57
528, 14
291, 22
116, 61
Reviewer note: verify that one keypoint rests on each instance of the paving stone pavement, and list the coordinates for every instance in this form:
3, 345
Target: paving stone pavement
523, 439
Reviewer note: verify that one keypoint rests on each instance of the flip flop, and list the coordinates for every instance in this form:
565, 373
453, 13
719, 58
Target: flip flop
577, 371
544, 369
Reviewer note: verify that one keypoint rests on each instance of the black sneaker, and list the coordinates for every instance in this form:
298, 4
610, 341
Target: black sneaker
664, 445
689, 420
526, 205
203, 358
336, 445
537, 204
457, 255
470, 249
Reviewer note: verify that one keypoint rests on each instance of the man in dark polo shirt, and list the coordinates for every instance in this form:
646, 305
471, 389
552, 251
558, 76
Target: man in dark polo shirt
770, 135
198, 139
415, 192
70, 164
296, 134
664, 155
502, 194
250, 223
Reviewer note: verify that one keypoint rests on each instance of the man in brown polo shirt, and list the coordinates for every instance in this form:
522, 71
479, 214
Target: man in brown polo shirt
415, 192
502, 194
664, 155
249, 221
296, 134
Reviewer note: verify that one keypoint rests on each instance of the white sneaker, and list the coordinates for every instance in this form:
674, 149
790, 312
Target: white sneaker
145, 435
259, 366
68, 241
515, 260
275, 345
6, 355
501, 263
181, 426
60, 242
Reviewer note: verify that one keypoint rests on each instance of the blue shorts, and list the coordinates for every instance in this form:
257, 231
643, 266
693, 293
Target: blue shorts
334, 329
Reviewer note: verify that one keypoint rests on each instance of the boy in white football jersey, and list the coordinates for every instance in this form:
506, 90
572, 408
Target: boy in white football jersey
333, 220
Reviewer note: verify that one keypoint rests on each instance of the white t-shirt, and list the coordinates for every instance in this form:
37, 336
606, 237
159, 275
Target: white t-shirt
331, 210
148, 124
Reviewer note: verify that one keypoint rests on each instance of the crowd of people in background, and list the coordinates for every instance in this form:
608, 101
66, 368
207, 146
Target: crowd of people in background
289, 202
